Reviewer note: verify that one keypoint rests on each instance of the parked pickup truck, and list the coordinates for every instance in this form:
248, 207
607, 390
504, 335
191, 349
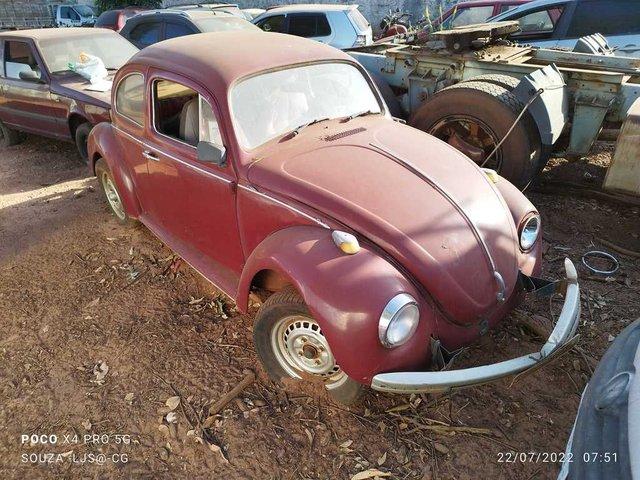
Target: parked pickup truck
40, 94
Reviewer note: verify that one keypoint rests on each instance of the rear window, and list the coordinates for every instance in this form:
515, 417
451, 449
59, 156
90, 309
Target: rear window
146, 33
309, 25
608, 18
221, 24
469, 16
358, 19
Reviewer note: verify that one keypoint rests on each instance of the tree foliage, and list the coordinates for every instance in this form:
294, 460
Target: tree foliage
115, 4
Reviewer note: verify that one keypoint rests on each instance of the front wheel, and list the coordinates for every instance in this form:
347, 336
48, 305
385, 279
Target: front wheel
290, 344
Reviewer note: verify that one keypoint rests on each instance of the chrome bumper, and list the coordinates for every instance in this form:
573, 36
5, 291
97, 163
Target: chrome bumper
561, 339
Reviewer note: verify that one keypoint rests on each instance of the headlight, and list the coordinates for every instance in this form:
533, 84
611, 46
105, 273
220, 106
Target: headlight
529, 232
398, 321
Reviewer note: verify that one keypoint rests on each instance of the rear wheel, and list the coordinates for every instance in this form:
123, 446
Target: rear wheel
504, 81
8, 136
81, 137
290, 344
108, 186
473, 117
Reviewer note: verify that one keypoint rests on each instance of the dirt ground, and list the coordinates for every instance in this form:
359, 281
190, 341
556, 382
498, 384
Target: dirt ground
101, 325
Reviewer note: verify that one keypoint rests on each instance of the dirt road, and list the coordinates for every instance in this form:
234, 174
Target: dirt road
100, 325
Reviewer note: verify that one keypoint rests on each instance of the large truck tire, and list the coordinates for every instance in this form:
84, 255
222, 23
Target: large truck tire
473, 117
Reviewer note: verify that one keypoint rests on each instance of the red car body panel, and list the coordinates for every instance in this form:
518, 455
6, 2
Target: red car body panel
273, 208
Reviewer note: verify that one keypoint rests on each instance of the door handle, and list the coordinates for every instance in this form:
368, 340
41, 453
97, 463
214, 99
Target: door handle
149, 155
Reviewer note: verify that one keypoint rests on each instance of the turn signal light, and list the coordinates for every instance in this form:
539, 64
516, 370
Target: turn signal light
345, 242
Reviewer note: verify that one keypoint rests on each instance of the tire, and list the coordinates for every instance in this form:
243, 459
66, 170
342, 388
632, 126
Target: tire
81, 137
285, 316
108, 187
496, 109
388, 96
504, 81
8, 136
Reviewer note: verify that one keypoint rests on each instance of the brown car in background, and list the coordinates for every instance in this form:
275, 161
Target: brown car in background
39, 93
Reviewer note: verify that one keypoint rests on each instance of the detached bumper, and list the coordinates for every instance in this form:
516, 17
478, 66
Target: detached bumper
562, 338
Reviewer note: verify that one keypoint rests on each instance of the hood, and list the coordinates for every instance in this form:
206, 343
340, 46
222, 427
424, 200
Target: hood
411, 194
76, 87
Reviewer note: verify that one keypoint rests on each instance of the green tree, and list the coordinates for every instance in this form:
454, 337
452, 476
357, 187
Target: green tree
114, 4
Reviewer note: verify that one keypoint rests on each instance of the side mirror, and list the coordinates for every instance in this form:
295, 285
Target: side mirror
29, 76
212, 153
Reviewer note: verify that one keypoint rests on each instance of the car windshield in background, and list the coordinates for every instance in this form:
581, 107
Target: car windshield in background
268, 105
111, 48
83, 10
220, 24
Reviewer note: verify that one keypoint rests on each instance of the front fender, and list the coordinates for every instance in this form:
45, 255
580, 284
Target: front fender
103, 144
345, 294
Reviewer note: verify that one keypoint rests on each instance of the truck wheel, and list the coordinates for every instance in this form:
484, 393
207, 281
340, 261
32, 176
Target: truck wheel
290, 344
473, 117
82, 135
8, 136
108, 186
504, 81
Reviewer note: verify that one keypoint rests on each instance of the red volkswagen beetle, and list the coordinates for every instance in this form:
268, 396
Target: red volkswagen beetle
273, 163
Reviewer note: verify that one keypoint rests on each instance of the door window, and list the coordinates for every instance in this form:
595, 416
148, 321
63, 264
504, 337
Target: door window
312, 25
173, 30
146, 33
64, 12
273, 24
469, 16
18, 57
607, 18
130, 98
542, 21
182, 114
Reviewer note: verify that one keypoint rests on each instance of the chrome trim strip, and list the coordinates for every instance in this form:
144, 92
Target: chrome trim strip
175, 159
293, 209
476, 232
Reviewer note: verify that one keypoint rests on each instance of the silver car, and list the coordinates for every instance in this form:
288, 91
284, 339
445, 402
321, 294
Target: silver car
341, 26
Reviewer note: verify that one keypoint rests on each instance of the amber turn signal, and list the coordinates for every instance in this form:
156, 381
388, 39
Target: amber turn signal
345, 242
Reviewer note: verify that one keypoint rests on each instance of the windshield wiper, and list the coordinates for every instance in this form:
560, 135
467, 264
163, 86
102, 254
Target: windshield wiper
298, 129
364, 113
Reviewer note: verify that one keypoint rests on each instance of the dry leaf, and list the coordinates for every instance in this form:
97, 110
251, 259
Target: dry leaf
173, 402
371, 473
86, 424
172, 417
441, 448
128, 398
382, 459
346, 444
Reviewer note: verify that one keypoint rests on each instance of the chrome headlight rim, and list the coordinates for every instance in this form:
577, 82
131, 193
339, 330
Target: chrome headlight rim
396, 306
525, 228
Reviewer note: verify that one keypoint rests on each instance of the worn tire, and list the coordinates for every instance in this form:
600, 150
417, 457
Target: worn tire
8, 136
504, 81
102, 170
497, 108
281, 304
81, 138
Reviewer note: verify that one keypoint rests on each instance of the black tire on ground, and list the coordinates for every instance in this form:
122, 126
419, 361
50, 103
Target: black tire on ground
504, 81
81, 137
496, 108
104, 176
287, 302
388, 96
8, 136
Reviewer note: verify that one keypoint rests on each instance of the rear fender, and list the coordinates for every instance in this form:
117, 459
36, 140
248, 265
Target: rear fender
103, 144
346, 294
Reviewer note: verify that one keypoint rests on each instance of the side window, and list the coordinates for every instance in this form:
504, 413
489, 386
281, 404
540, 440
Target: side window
18, 57
173, 30
506, 8
64, 12
181, 113
73, 15
542, 21
146, 33
313, 25
130, 98
607, 18
273, 24
468, 16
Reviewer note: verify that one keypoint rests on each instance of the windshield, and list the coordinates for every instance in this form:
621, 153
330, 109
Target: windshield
83, 10
110, 47
220, 24
268, 105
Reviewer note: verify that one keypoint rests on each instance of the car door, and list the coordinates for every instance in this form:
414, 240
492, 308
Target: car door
25, 94
311, 25
618, 21
191, 203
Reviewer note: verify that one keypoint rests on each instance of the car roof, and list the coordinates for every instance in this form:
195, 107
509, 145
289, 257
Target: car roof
199, 57
473, 3
310, 7
193, 14
51, 33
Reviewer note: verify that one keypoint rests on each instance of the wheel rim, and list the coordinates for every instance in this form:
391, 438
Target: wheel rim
301, 349
112, 196
472, 137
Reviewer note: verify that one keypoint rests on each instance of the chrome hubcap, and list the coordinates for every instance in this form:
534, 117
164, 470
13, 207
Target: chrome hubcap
300, 347
112, 196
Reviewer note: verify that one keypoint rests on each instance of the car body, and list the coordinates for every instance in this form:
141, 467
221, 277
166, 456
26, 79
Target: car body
155, 26
292, 178
605, 440
560, 23
341, 26
471, 12
38, 92
115, 19
230, 8
251, 13
74, 16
